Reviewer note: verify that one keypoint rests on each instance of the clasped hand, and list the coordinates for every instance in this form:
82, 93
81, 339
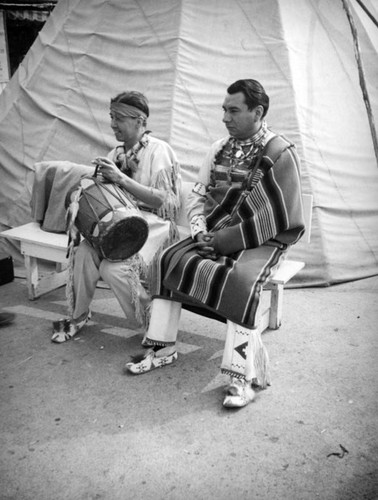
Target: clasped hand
108, 169
205, 246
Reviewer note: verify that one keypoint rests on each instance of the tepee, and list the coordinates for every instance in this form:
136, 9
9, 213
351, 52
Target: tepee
183, 54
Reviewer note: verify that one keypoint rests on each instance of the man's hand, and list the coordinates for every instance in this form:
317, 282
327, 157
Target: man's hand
205, 246
108, 170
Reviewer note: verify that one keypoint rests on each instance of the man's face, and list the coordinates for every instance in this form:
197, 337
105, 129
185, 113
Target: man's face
241, 122
125, 128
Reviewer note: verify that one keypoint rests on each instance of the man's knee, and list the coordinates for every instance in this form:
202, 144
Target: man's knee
109, 271
85, 254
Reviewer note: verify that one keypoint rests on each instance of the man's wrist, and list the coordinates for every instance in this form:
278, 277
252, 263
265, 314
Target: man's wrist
197, 225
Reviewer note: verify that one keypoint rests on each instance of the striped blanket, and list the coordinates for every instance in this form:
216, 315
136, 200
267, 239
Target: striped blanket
255, 223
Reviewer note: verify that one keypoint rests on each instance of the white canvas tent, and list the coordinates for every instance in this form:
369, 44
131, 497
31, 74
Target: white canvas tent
183, 54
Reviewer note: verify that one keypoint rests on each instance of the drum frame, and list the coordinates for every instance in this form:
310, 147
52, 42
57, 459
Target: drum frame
117, 193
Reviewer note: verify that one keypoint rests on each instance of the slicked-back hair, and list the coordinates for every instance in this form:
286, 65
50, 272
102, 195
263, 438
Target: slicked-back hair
253, 91
133, 98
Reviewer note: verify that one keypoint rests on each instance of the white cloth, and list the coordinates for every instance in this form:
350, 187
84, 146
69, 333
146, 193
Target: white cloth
164, 322
244, 355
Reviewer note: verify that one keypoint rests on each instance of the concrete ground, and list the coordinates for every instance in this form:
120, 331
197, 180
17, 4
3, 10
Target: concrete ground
75, 427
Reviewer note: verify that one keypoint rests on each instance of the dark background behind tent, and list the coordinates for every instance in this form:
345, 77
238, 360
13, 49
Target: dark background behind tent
183, 55
22, 22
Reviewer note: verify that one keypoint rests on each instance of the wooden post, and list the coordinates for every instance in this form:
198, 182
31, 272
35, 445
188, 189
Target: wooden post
362, 76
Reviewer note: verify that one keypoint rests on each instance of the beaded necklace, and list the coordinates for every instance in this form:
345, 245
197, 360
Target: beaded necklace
244, 152
241, 153
127, 161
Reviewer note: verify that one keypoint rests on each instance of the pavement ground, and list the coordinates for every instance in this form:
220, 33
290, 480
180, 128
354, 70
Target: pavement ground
74, 426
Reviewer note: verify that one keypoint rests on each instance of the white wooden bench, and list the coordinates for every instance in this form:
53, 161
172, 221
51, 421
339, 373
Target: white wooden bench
37, 244
271, 316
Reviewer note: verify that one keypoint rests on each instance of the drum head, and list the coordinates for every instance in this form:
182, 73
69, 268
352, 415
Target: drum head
124, 239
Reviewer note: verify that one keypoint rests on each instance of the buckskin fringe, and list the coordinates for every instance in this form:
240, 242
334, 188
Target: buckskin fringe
170, 182
70, 293
73, 240
260, 359
135, 269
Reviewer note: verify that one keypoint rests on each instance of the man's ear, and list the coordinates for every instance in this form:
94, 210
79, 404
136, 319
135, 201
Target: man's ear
259, 110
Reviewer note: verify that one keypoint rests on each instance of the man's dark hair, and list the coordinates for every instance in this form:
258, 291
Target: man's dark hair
253, 91
133, 98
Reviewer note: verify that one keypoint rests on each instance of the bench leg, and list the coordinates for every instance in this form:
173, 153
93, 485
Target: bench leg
39, 285
59, 267
276, 300
32, 277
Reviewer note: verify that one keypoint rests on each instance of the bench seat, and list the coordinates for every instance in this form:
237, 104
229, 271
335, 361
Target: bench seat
37, 244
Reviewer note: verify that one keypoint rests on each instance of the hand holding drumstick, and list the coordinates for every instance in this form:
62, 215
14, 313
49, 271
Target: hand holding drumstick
108, 169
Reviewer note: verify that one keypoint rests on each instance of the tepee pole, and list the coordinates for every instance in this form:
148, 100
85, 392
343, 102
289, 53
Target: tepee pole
362, 75
363, 6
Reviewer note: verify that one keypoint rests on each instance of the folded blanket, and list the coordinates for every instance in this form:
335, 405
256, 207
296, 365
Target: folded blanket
52, 182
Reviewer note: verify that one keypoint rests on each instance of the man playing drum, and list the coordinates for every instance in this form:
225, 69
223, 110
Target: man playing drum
245, 212
147, 169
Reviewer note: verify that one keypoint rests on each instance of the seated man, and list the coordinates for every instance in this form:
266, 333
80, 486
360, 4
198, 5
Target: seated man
245, 211
147, 169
